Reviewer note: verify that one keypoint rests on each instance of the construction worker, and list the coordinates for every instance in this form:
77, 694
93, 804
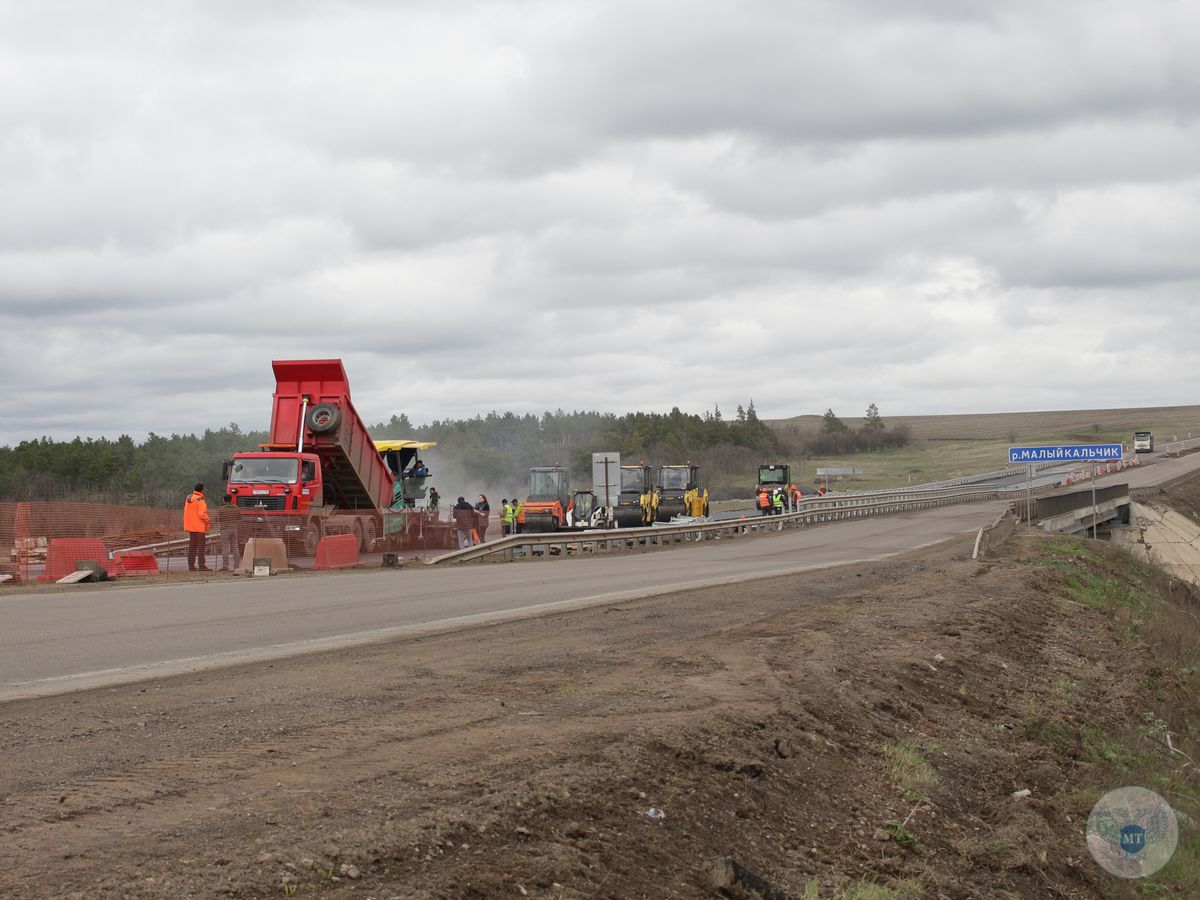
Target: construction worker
483, 510
777, 501
433, 498
228, 520
507, 516
518, 511
464, 522
764, 503
195, 523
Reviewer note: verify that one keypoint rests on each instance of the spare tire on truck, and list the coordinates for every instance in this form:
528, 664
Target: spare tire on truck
322, 417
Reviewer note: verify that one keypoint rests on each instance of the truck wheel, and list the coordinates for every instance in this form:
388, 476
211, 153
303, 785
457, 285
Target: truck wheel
312, 537
357, 530
368, 541
323, 417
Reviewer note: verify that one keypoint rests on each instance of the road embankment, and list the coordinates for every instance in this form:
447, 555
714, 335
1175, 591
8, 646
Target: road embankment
924, 725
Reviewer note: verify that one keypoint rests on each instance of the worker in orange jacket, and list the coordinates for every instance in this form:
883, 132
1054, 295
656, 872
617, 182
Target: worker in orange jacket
195, 523
764, 503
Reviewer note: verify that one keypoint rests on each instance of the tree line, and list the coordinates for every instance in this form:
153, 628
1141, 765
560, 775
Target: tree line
492, 450
836, 438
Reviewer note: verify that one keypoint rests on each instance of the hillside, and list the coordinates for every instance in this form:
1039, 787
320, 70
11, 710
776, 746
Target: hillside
950, 446
1108, 423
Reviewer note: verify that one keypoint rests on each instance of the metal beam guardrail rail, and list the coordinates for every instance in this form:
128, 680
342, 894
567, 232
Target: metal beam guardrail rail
992, 536
965, 480
826, 509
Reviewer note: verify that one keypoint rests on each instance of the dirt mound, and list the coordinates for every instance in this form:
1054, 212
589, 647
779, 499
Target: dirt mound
928, 726
1184, 497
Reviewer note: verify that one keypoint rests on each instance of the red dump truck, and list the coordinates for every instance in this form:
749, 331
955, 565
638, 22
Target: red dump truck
320, 473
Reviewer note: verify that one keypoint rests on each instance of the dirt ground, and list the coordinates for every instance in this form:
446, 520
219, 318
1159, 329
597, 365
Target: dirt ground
1184, 497
857, 732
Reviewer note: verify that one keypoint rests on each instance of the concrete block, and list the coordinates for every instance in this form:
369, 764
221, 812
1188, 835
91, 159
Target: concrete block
264, 548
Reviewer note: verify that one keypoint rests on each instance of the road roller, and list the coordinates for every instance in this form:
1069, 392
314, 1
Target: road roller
637, 501
549, 502
679, 493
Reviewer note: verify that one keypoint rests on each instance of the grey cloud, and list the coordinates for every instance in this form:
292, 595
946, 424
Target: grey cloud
818, 73
503, 206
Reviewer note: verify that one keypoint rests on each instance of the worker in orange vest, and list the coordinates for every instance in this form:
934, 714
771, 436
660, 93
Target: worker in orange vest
764, 503
195, 523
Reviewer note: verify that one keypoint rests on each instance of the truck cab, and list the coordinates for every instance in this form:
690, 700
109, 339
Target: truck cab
275, 481
1143, 442
276, 490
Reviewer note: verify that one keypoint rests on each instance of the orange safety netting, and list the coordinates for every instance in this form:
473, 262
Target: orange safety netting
152, 541
37, 540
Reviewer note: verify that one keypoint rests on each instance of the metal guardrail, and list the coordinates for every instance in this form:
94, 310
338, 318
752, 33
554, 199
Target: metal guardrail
819, 510
965, 480
992, 536
158, 547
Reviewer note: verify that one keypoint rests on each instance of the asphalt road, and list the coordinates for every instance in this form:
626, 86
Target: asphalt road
1155, 469
92, 636
95, 636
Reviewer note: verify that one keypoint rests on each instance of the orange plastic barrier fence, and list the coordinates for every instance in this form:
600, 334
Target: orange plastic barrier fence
64, 553
134, 564
337, 551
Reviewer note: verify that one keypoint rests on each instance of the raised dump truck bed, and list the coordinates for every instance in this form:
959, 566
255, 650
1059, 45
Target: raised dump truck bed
312, 401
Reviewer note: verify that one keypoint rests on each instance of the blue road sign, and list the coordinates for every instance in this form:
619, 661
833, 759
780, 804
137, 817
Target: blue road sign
1065, 453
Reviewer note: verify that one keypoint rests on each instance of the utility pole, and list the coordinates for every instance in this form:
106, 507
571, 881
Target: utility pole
1029, 498
1094, 500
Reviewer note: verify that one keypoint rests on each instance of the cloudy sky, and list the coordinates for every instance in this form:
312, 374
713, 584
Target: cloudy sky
933, 205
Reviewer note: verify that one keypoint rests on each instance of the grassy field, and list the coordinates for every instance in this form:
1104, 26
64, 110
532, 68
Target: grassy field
953, 446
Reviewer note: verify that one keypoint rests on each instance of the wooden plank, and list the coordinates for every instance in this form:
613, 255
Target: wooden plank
76, 577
